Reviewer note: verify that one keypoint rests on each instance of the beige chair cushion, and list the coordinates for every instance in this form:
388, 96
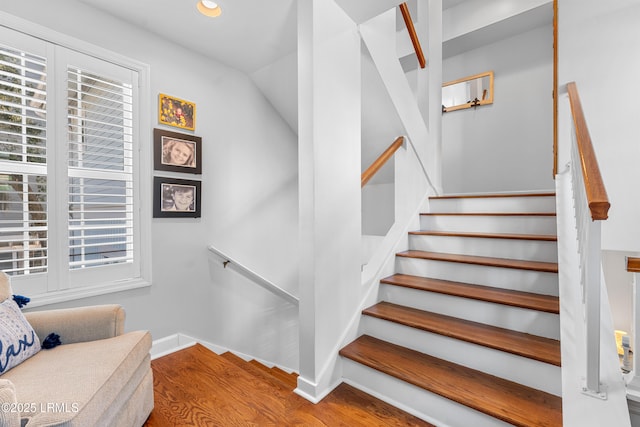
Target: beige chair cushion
9, 411
75, 383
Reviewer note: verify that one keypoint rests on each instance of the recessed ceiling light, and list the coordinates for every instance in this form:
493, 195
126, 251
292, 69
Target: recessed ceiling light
209, 8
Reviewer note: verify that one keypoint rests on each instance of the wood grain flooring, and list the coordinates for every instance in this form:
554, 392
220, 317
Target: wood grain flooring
196, 387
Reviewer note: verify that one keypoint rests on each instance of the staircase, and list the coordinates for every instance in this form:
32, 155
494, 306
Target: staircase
275, 376
467, 332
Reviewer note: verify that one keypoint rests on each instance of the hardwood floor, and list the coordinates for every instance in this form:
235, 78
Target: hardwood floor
196, 387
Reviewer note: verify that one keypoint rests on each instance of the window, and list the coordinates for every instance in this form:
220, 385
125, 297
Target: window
69, 170
100, 171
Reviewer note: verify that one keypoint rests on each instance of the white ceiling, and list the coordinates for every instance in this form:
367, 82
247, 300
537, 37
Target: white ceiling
248, 35
446, 4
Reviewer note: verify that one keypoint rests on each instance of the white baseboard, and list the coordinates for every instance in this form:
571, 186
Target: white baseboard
176, 342
311, 391
167, 345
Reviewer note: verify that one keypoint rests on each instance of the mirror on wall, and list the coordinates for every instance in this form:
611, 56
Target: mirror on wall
468, 92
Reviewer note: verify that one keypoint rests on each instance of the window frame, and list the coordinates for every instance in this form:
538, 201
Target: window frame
60, 286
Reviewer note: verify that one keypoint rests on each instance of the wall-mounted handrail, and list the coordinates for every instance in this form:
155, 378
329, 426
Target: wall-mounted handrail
406, 15
245, 271
380, 161
594, 185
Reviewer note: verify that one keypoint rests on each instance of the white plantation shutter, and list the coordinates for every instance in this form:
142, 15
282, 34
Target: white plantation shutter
100, 153
70, 205
23, 163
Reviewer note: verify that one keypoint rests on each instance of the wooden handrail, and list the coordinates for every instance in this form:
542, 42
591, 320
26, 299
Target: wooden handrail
245, 271
633, 265
555, 88
380, 161
596, 193
412, 33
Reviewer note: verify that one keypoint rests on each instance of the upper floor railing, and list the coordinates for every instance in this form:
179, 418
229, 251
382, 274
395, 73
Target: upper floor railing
591, 207
596, 192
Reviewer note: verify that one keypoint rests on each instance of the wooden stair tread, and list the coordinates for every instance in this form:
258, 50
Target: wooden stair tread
291, 379
497, 397
488, 213
237, 360
258, 370
509, 236
539, 302
278, 374
492, 195
519, 343
550, 267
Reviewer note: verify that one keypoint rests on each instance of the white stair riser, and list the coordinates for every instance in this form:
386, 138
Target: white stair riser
532, 250
494, 204
490, 224
532, 373
515, 318
498, 277
428, 406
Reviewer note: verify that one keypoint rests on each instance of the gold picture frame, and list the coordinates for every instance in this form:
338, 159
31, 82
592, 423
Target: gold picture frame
176, 112
467, 92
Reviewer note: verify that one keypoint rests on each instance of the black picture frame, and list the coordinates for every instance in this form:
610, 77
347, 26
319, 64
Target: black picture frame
170, 148
170, 196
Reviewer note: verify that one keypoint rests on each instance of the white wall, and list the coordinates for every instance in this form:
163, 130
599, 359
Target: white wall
279, 82
378, 208
604, 63
249, 185
507, 145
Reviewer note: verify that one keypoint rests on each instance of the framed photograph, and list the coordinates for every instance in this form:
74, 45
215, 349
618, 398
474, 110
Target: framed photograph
176, 198
177, 152
176, 112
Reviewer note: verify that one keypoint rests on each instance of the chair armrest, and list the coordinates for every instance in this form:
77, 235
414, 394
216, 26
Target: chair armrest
9, 413
79, 324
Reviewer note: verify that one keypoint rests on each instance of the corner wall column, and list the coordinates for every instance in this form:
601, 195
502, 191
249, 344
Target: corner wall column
329, 116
